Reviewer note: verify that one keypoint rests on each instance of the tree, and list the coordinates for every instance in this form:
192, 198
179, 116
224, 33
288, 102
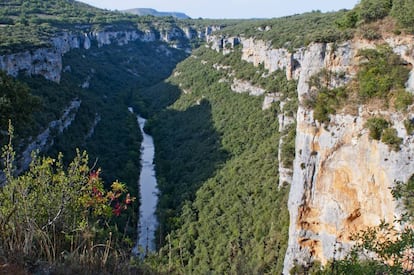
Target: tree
372, 10
16, 102
403, 11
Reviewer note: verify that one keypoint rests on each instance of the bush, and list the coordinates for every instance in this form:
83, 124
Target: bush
323, 99
57, 214
348, 20
376, 127
403, 11
372, 10
409, 126
381, 71
403, 99
390, 137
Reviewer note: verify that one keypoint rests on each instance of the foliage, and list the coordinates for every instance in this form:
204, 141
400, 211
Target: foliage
403, 11
409, 126
404, 191
376, 127
402, 99
372, 10
31, 24
380, 72
383, 249
348, 20
323, 99
379, 130
16, 103
288, 146
57, 214
216, 155
390, 137
294, 31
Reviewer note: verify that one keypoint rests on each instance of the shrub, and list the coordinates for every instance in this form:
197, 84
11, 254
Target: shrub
376, 126
403, 99
348, 20
381, 71
409, 126
403, 11
372, 10
57, 214
324, 100
390, 137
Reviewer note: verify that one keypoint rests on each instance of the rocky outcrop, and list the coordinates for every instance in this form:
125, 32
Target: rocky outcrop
48, 61
341, 178
242, 86
45, 139
341, 181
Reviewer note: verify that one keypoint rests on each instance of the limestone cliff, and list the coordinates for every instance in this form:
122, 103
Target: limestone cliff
341, 178
48, 61
45, 139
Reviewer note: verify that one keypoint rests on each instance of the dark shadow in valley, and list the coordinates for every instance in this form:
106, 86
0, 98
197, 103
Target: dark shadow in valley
188, 152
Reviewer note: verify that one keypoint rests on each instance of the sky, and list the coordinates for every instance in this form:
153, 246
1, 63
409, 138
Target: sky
228, 8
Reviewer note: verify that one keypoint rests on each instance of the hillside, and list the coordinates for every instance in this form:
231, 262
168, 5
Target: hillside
281, 145
144, 11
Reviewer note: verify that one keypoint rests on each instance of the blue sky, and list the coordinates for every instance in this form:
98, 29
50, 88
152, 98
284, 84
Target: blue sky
229, 8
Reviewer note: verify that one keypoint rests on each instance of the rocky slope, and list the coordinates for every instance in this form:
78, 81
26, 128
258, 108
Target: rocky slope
341, 179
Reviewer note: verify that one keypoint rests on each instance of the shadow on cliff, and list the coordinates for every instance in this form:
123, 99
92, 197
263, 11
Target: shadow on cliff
188, 152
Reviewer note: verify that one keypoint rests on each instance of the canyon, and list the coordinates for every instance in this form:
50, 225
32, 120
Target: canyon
341, 179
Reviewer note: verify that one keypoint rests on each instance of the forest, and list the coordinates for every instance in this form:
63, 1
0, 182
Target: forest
220, 209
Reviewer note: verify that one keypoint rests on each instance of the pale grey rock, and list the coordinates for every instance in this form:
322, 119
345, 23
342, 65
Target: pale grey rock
269, 100
44, 140
241, 86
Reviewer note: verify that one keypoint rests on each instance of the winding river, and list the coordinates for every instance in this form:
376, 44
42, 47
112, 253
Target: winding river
148, 194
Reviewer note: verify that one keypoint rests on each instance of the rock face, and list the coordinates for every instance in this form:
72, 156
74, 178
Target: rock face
48, 61
44, 140
341, 178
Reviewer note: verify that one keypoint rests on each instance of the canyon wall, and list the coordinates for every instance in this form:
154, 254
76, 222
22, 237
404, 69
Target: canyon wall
341, 179
48, 61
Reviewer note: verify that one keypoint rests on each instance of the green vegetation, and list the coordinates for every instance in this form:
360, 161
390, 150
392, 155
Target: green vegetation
288, 146
220, 208
373, 10
61, 215
403, 11
380, 72
376, 126
390, 137
381, 76
323, 99
216, 156
16, 103
27, 25
294, 31
409, 126
379, 129
404, 192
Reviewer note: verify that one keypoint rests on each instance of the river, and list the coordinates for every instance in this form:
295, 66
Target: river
148, 194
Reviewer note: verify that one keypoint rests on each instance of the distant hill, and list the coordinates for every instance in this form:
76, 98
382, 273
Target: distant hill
141, 11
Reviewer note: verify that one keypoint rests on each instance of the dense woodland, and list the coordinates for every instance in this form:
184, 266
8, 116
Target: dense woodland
220, 207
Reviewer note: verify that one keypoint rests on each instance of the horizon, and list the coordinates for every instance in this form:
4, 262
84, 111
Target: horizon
234, 9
